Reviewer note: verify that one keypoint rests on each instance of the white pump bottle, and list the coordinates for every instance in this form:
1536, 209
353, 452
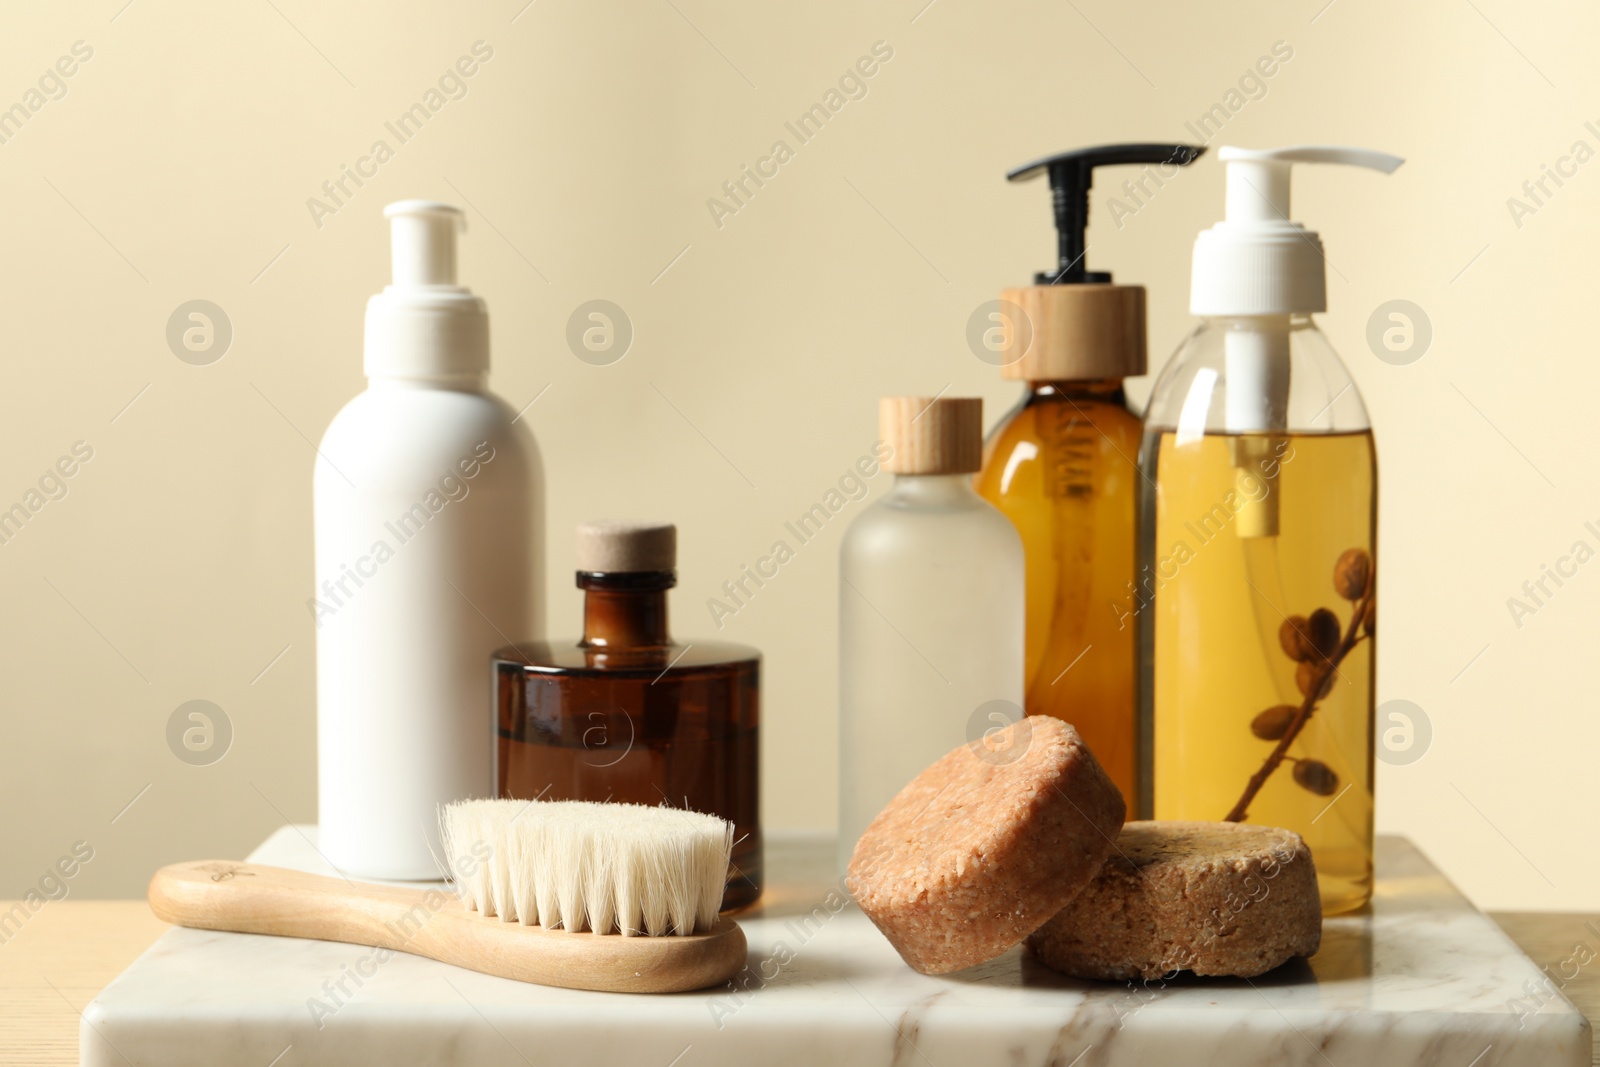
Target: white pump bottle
428, 495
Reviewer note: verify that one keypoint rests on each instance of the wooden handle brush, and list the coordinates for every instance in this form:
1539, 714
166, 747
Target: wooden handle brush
536, 881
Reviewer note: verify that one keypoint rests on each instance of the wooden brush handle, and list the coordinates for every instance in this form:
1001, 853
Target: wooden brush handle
244, 897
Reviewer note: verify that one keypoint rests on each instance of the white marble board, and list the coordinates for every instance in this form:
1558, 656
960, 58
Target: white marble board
1423, 978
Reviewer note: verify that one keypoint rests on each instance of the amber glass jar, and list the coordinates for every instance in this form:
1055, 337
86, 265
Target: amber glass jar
627, 714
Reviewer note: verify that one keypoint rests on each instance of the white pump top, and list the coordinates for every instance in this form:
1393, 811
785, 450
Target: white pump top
424, 325
422, 236
1257, 261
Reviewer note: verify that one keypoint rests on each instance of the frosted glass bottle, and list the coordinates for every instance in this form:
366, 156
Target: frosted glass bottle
931, 609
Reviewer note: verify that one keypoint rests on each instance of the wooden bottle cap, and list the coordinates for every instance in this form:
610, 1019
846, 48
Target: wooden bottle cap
610, 547
932, 436
1074, 333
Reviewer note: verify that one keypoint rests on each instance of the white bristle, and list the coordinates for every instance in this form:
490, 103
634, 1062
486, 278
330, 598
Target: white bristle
500, 876
574, 865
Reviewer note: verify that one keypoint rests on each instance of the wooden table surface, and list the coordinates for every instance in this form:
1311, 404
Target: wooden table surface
55, 963
68, 951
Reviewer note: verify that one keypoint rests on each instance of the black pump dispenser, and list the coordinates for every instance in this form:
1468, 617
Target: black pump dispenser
1071, 175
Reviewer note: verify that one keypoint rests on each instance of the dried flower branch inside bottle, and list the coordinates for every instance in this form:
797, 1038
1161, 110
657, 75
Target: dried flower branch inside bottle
1319, 645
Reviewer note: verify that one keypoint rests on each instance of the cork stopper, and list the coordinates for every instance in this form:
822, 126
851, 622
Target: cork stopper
932, 436
610, 547
1074, 333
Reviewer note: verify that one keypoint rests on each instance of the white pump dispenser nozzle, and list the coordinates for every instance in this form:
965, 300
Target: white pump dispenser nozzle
1258, 181
423, 324
1258, 261
422, 237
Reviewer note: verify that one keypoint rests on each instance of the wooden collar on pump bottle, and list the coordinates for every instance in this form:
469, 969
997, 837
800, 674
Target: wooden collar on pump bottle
1073, 333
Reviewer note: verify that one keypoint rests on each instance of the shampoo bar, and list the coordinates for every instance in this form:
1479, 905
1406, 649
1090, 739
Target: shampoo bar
1214, 898
986, 844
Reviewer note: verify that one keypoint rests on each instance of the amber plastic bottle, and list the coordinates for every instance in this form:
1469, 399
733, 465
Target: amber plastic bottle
1063, 468
1063, 465
627, 714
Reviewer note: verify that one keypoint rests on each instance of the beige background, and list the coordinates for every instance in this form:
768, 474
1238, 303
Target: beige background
178, 166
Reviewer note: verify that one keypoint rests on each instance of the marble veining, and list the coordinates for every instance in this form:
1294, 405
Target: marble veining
1421, 978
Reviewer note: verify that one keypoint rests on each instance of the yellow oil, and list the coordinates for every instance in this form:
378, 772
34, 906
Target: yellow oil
1215, 590
1064, 469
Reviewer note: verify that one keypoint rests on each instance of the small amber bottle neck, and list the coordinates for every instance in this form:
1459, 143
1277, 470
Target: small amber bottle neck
1104, 389
625, 610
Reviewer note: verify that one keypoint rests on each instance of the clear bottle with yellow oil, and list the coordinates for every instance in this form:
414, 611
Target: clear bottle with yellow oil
1257, 575
1063, 465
